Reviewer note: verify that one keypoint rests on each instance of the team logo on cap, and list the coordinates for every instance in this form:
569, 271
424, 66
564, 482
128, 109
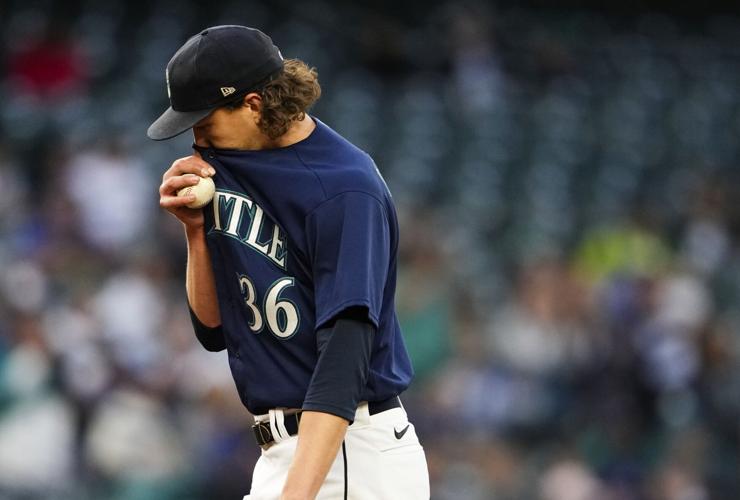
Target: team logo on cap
227, 90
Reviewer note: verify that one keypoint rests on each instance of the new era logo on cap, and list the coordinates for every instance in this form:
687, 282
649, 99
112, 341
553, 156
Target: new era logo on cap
227, 90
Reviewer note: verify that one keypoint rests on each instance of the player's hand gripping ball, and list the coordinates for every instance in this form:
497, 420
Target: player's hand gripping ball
203, 192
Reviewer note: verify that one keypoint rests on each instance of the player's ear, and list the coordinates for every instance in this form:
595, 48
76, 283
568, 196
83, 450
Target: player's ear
253, 101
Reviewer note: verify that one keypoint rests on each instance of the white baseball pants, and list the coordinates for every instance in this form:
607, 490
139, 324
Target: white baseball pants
372, 464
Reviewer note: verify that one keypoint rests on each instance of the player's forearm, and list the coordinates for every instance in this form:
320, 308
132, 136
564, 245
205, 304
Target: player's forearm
319, 438
200, 282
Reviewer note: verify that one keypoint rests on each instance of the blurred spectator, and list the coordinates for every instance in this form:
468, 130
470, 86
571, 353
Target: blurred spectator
49, 66
15, 189
475, 64
542, 332
131, 314
630, 248
36, 424
425, 295
706, 240
132, 440
114, 193
677, 483
570, 480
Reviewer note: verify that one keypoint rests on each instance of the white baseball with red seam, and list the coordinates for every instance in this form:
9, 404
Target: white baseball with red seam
203, 192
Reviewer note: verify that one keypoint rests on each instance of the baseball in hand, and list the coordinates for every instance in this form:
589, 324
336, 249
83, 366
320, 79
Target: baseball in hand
203, 192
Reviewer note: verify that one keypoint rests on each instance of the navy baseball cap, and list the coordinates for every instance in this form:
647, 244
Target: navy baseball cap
212, 69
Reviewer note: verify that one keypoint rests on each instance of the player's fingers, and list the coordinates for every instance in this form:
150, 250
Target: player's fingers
174, 184
170, 202
196, 168
189, 165
174, 168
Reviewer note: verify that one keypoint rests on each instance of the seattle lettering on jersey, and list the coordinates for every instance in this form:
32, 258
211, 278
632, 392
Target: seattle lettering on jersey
229, 209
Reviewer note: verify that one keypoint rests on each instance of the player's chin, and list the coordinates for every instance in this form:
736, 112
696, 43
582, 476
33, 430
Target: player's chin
202, 136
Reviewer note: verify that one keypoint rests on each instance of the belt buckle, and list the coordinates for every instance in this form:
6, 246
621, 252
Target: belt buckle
263, 435
263, 432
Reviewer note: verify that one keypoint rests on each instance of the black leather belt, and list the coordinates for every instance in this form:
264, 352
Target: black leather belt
263, 433
375, 407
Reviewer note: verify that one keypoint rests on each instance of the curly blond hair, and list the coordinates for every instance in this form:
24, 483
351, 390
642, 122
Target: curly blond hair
287, 97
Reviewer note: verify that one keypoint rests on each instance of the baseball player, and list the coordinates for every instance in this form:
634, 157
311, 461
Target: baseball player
292, 269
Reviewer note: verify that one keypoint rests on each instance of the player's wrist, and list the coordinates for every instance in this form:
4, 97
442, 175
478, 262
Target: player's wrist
194, 231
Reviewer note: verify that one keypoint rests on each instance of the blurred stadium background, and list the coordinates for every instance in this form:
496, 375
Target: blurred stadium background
567, 180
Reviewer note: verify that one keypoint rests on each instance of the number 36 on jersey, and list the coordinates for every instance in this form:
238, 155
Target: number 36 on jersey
279, 315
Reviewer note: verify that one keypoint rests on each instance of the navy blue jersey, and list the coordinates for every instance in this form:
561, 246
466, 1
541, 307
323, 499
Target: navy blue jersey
297, 235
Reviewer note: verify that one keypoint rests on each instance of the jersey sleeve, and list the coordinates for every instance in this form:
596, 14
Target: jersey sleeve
349, 240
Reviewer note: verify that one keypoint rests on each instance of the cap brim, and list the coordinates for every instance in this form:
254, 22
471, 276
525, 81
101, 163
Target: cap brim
173, 123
